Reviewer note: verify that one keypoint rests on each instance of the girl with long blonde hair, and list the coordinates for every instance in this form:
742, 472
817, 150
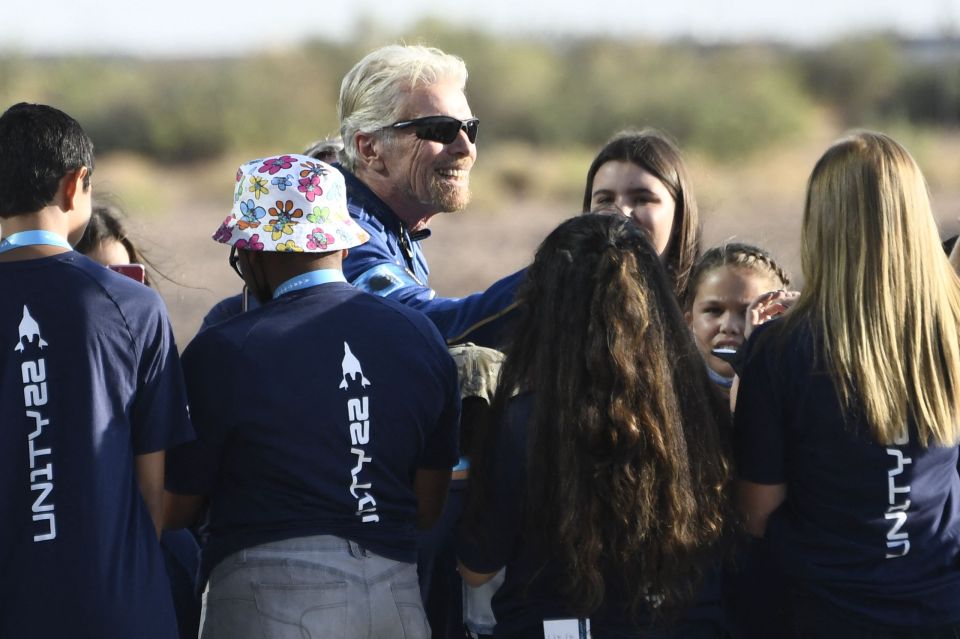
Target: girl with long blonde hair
847, 424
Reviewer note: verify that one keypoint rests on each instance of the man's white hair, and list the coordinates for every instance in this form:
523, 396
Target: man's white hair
371, 94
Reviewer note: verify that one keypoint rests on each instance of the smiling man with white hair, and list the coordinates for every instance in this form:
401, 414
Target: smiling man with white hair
409, 146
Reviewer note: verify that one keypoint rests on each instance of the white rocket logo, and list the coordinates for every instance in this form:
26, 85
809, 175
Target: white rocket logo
28, 330
351, 366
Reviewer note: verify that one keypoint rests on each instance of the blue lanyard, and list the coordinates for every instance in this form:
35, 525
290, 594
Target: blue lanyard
31, 238
306, 280
718, 379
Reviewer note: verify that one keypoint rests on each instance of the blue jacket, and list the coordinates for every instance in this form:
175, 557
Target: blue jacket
392, 265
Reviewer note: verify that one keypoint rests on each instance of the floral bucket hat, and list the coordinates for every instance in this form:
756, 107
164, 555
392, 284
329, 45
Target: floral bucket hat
290, 203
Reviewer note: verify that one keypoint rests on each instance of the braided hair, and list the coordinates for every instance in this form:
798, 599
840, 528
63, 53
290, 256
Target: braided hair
735, 254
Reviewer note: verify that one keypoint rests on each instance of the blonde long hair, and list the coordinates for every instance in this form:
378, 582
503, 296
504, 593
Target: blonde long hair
881, 291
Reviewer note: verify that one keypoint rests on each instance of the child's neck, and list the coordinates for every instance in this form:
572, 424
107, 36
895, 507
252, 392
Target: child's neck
50, 219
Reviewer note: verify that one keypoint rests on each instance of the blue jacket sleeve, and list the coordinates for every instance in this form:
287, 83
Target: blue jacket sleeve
377, 267
479, 318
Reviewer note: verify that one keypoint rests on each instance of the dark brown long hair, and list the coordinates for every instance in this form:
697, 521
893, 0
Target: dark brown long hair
626, 468
657, 154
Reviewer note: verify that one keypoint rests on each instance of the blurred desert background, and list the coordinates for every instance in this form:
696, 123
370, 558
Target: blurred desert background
751, 114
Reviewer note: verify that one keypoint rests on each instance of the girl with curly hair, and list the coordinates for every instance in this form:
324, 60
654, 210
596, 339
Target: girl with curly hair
602, 485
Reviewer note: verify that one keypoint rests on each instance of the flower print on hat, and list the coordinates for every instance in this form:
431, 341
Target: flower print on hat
250, 215
258, 186
224, 233
253, 244
289, 247
319, 215
319, 240
310, 169
274, 165
284, 217
310, 187
290, 203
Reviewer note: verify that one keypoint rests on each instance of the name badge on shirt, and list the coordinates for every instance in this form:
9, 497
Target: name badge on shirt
566, 629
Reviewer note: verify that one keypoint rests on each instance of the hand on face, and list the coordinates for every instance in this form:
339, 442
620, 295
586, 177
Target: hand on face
767, 306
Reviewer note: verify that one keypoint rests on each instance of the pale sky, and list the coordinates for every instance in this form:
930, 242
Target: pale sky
200, 27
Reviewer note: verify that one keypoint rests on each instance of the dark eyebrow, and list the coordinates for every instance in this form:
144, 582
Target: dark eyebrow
640, 189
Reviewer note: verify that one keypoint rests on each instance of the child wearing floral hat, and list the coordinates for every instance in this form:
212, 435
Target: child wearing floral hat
286, 204
327, 426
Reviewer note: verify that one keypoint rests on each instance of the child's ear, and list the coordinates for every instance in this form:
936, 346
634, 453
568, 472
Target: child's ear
688, 317
71, 186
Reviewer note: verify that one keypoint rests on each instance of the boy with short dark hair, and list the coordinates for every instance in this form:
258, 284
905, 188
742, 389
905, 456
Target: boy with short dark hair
91, 394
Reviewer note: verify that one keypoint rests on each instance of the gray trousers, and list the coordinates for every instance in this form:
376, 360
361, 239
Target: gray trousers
312, 588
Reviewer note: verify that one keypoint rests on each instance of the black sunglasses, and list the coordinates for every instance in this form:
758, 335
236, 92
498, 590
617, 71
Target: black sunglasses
235, 261
440, 128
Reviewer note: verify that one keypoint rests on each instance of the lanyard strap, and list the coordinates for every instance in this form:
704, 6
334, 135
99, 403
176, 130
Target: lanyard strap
32, 238
306, 280
720, 380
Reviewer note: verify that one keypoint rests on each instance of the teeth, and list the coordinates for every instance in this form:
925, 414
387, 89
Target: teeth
457, 173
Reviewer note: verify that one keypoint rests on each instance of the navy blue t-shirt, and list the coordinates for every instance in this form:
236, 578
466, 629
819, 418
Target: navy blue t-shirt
530, 593
871, 528
89, 378
313, 413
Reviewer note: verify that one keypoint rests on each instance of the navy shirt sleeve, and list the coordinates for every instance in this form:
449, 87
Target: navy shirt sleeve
159, 414
227, 308
441, 437
759, 421
442, 445
192, 468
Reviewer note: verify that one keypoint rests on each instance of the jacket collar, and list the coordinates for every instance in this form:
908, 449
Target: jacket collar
362, 196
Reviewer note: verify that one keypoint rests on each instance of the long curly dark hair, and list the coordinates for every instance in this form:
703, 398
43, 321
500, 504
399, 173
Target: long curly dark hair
627, 469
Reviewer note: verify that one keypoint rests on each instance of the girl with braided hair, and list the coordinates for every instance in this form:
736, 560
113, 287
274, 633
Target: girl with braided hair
602, 486
724, 282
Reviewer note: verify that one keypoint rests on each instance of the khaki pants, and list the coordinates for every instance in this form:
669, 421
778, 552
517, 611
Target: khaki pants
312, 588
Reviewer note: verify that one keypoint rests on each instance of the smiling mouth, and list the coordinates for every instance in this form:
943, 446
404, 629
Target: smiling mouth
731, 345
456, 174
